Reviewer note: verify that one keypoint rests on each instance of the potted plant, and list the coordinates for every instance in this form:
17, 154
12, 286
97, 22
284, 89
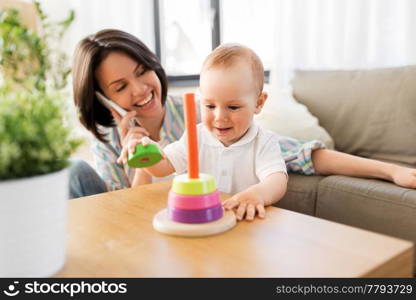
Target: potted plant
35, 145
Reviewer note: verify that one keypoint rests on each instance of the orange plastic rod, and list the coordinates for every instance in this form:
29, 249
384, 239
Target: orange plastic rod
190, 125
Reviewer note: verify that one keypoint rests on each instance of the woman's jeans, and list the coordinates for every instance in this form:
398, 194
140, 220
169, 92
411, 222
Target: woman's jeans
83, 180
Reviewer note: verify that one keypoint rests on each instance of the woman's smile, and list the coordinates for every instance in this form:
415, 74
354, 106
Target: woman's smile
147, 103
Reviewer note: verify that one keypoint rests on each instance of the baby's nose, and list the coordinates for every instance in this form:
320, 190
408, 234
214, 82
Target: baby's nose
221, 114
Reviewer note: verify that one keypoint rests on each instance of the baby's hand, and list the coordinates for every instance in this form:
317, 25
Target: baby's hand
131, 144
246, 203
405, 177
130, 134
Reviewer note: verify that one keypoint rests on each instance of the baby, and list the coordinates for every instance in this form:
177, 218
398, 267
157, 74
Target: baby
244, 158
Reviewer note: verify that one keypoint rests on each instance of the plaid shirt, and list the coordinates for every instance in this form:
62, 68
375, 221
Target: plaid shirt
297, 154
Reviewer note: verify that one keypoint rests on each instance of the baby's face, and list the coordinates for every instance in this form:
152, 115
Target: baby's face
229, 100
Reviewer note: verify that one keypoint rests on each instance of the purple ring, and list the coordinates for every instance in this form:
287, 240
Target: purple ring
196, 215
187, 202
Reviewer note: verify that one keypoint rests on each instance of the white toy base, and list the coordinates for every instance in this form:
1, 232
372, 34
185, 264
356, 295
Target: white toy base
163, 224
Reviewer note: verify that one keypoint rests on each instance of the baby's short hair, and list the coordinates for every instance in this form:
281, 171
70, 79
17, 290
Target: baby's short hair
226, 55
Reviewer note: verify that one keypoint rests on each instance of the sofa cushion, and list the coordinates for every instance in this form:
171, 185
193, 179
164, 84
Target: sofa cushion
370, 204
287, 117
369, 113
301, 194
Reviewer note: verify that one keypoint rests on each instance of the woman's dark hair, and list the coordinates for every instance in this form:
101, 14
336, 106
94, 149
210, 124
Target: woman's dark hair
89, 54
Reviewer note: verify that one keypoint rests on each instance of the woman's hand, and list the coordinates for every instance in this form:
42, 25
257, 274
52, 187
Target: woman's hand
403, 176
130, 135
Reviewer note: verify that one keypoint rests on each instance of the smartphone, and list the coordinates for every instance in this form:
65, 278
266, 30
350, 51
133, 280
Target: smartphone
111, 104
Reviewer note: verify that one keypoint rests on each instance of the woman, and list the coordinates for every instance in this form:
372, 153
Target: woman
121, 67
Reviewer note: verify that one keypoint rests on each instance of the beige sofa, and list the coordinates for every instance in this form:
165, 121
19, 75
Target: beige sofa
370, 113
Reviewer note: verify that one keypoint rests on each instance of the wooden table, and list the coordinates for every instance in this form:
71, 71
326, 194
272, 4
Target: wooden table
111, 235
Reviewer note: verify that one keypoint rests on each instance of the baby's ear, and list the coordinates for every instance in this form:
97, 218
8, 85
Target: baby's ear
260, 102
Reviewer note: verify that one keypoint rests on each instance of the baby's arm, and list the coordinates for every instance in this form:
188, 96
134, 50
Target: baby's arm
162, 168
256, 197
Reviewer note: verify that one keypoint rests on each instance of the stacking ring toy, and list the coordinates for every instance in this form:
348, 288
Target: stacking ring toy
194, 206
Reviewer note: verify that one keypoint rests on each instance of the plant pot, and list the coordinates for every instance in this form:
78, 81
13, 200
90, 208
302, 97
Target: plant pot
33, 219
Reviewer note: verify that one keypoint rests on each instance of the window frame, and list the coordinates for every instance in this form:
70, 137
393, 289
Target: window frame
193, 79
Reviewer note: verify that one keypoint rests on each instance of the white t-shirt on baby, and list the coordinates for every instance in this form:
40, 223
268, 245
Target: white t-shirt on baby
236, 167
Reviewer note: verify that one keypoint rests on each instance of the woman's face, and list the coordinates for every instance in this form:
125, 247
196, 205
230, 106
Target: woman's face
130, 85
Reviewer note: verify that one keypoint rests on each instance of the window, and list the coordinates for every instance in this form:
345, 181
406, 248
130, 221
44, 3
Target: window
185, 35
186, 31
251, 23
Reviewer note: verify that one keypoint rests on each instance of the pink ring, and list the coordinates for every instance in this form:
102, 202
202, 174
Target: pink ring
190, 202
